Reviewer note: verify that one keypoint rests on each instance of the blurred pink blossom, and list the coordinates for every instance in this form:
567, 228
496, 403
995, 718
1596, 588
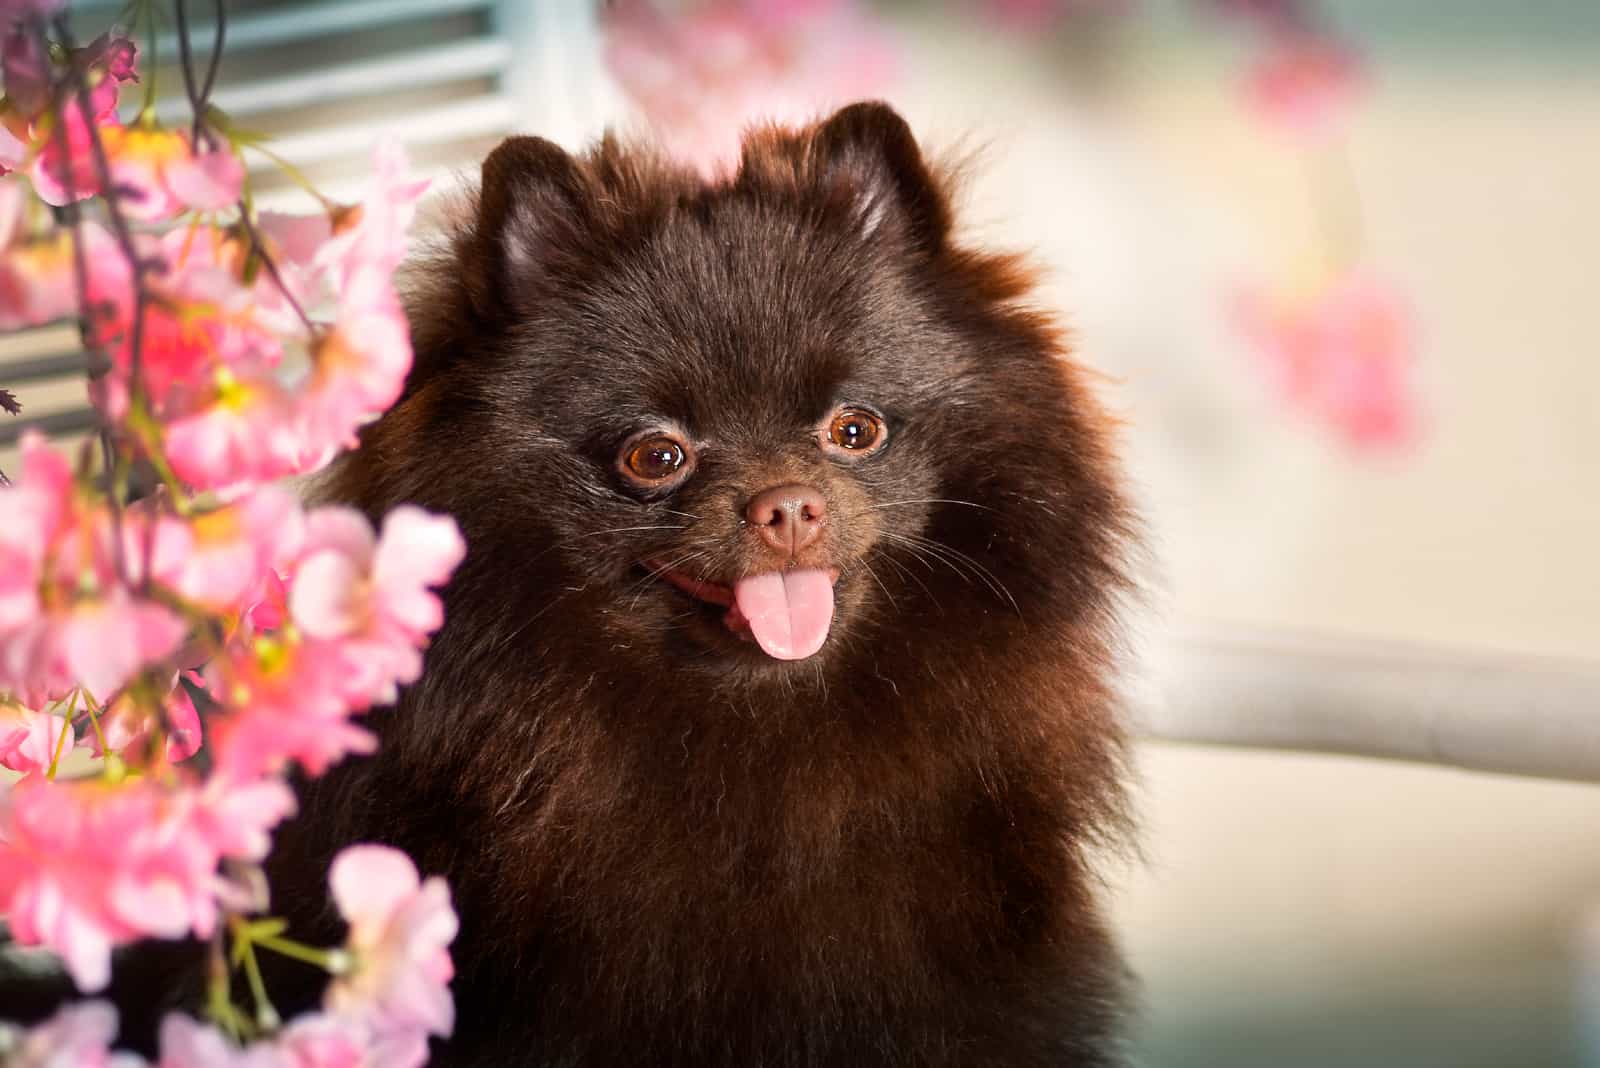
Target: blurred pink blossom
78, 1036
287, 702
36, 506
63, 169
213, 364
371, 235
88, 865
359, 367
220, 559
362, 609
104, 64
37, 276
65, 618
1304, 84
373, 599
188, 1043
126, 724
162, 175
1343, 358
326, 1040
401, 928
28, 737
247, 431
703, 73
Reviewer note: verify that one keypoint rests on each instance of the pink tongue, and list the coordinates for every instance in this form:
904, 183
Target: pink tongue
788, 611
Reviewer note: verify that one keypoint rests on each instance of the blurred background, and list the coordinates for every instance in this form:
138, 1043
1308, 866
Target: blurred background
1337, 264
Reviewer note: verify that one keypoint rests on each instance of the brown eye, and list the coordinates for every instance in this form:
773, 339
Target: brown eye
856, 429
654, 460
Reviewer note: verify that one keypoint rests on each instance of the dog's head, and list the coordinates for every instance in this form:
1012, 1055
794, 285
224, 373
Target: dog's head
734, 426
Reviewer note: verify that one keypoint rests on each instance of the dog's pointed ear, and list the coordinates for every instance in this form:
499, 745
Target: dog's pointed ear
533, 207
867, 152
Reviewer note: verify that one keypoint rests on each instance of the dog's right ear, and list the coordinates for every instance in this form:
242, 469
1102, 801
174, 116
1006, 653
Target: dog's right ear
533, 207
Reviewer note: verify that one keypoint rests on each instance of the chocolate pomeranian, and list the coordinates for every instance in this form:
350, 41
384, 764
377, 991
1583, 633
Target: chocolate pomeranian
773, 721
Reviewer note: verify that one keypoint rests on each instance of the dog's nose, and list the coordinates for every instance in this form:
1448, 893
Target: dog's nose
788, 518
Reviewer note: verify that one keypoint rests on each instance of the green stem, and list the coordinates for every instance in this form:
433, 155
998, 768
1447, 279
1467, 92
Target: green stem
295, 174
94, 724
219, 999
147, 112
66, 729
1336, 199
329, 960
267, 1017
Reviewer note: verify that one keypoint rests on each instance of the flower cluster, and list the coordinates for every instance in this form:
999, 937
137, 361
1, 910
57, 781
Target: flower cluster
1339, 351
389, 997
704, 71
1303, 78
230, 347
1341, 357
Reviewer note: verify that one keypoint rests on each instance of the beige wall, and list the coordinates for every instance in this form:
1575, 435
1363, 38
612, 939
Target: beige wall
1331, 910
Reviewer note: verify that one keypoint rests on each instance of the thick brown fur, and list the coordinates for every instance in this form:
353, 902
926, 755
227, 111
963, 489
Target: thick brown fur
667, 848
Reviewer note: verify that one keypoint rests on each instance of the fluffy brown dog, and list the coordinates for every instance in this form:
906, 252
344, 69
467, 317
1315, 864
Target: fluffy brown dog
771, 722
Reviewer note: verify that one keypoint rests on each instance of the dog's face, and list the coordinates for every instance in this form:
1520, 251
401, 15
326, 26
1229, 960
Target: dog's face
761, 423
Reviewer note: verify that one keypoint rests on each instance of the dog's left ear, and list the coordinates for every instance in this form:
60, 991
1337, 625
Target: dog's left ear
867, 152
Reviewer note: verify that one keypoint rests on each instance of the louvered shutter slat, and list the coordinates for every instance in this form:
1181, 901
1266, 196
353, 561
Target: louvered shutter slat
327, 80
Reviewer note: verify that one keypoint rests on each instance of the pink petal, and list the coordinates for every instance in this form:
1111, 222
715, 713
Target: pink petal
328, 598
209, 181
370, 882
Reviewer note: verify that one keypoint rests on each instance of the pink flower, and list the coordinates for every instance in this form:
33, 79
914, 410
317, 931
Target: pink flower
372, 600
704, 73
37, 277
400, 931
371, 236
312, 1040
221, 559
88, 865
65, 618
287, 701
13, 213
64, 174
1343, 358
36, 508
98, 642
325, 1040
78, 1036
359, 367
248, 432
200, 324
1304, 84
362, 610
127, 725
162, 176
37, 284
28, 738
187, 1043
15, 137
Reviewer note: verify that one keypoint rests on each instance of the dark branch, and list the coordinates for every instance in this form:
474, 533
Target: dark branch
259, 248
215, 64
200, 94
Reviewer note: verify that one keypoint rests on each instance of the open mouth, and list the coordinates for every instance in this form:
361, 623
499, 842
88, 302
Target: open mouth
786, 612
